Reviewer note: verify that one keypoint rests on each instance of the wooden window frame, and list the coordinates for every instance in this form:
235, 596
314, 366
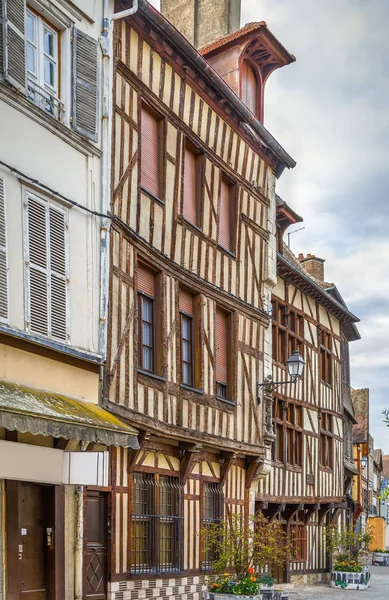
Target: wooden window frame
287, 332
260, 86
143, 296
158, 363
289, 433
226, 388
326, 454
299, 541
190, 341
153, 490
325, 356
161, 143
232, 200
199, 182
205, 555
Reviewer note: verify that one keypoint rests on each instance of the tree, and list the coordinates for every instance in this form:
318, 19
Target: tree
345, 542
246, 543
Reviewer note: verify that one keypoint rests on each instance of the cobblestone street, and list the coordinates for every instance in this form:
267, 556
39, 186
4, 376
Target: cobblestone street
379, 589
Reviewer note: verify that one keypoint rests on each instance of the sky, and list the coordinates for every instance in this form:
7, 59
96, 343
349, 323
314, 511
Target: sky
330, 111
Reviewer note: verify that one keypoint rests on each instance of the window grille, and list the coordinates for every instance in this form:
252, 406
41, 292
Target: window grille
212, 514
156, 523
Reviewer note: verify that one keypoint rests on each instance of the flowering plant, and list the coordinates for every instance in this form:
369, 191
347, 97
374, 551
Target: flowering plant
246, 586
349, 566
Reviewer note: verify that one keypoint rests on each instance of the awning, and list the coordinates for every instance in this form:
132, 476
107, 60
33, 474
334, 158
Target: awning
27, 409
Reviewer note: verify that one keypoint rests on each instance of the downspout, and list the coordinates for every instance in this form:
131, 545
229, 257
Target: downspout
106, 147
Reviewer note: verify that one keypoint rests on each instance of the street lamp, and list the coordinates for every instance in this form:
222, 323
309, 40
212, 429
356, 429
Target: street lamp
295, 365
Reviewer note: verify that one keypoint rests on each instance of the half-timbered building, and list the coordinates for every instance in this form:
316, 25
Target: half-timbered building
306, 487
192, 267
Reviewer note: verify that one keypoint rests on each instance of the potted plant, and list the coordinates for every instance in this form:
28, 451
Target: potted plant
381, 557
344, 546
242, 548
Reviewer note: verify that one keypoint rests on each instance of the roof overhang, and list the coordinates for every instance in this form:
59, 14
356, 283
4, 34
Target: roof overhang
26, 409
306, 284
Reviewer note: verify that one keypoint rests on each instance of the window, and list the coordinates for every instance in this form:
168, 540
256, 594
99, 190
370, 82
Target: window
42, 51
288, 332
192, 185
212, 512
298, 535
250, 88
146, 319
150, 175
46, 268
288, 422
222, 329
187, 338
155, 523
226, 215
326, 440
3, 256
325, 365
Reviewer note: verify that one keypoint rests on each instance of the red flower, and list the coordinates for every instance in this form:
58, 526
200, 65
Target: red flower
250, 570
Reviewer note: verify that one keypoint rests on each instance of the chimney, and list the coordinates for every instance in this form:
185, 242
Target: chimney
314, 265
203, 21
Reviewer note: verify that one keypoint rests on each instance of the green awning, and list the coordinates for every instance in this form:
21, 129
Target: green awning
27, 409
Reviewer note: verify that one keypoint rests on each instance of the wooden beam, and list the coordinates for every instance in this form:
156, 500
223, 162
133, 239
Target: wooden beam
191, 452
228, 460
252, 471
133, 455
292, 511
311, 510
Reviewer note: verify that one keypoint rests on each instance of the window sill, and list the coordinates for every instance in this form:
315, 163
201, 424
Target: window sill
191, 225
152, 375
225, 401
151, 195
328, 385
325, 469
188, 388
226, 251
30, 110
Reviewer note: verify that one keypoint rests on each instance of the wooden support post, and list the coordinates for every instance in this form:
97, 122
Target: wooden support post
133, 456
191, 452
311, 510
252, 470
228, 460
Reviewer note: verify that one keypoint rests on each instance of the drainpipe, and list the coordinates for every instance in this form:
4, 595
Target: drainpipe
79, 543
106, 137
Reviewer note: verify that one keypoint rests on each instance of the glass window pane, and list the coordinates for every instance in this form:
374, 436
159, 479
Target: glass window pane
146, 309
146, 334
147, 359
31, 27
31, 60
49, 72
48, 41
185, 351
186, 374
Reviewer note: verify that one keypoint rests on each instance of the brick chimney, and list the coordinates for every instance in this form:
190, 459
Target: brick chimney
314, 265
203, 21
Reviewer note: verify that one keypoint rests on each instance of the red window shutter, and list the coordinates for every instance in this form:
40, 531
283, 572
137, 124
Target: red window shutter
249, 87
221, 339
190, 200
225, 215
149, 176
186, 302
146, 281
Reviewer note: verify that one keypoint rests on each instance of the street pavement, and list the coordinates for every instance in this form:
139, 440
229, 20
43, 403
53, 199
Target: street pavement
379, 589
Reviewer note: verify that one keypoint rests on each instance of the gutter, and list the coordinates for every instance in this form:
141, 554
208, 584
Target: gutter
249, 121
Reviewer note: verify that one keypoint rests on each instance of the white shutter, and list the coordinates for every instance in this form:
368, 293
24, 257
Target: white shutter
3, 256
1, 41
58, 281
14, 44
47, 269
85, 85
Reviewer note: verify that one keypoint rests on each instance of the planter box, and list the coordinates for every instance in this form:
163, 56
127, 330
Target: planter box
381, 559
351, 581
265, 595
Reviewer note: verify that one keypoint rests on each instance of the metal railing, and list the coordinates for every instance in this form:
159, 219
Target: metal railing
46, 101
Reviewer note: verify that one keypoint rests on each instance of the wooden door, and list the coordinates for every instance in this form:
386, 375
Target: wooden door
95, 552
26, 541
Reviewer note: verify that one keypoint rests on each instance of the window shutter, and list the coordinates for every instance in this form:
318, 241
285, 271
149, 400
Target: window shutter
85, 85
249, 88
189, 203
146, 280
1, 37
37, 263
47, 269
3, 256
225, 215
14, 45
221, 337
186, 302
149, 176
58, 275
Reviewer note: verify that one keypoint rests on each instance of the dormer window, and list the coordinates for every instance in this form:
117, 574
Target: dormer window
250, 86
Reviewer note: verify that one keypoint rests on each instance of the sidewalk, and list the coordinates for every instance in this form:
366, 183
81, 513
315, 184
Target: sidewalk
379, 589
